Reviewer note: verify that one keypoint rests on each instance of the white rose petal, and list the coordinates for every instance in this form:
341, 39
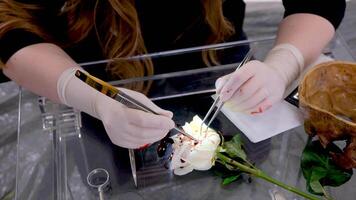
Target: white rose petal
188, 156
183, 170
201, 160
179, 156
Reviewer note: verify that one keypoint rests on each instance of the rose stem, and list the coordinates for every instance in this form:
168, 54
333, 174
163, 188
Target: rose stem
260, 174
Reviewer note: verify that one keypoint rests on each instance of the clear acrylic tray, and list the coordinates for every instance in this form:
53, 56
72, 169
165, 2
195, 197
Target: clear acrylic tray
58, 147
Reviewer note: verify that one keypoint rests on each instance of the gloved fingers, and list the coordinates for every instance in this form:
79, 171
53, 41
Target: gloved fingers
134, 142
220, 82
121, 138
247, 90
251, 102
148, 120
146, 101
145, 135
237, 78
127, 144
135, 137
260, 108
159, 110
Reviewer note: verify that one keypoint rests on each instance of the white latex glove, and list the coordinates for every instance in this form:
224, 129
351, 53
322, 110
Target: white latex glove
126, 127
258, 85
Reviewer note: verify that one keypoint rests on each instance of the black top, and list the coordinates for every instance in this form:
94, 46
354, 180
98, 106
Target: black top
181, 18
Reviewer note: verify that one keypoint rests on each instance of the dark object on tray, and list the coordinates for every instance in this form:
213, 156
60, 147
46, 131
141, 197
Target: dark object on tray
327, 97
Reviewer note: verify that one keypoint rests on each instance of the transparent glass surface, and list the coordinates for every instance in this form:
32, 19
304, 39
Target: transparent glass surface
59, 147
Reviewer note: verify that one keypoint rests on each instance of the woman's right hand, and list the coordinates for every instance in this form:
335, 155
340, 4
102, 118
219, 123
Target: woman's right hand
132, 128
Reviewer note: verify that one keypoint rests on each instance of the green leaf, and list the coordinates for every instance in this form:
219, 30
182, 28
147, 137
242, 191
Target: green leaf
338, 177
230, 179
319, 170
234, 148
315, 187
316, 174
237, 139
221, 170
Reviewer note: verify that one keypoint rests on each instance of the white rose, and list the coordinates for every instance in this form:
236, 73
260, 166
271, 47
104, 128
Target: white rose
188, 156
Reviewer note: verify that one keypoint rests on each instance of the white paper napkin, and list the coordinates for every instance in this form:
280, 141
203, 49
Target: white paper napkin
279, 118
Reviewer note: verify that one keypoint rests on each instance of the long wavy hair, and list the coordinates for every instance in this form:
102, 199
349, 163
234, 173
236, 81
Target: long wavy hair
119, 34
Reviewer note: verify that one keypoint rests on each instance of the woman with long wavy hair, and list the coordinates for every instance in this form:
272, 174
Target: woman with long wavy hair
42, 41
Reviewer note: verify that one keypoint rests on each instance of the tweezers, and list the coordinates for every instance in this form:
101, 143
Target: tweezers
120, 96
218, 101
134, 104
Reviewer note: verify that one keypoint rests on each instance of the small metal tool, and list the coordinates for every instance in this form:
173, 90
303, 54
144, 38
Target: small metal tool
133, 165
132, 103
218, 101
99, 179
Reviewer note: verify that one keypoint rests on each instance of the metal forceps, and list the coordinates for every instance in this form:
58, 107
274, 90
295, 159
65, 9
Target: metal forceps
132, 103
218, 101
